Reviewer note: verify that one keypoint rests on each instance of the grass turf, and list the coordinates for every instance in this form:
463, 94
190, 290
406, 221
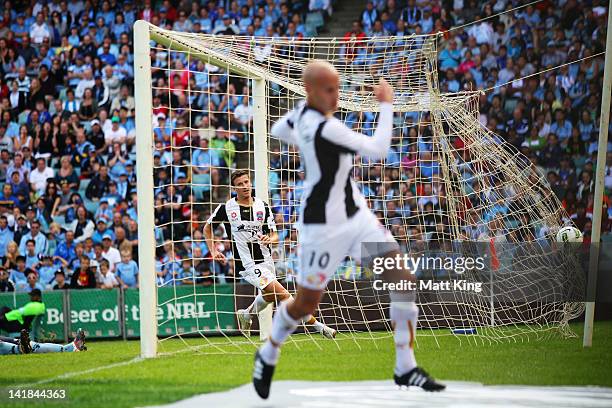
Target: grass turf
177, 376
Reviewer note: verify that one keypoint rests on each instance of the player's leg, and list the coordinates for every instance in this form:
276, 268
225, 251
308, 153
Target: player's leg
286, 319
20, 345
78, 344
273, 292
23, 345
319, 259
262, 277
404, 313
277, 293
403, 310
320, 327
9, 346
290, 315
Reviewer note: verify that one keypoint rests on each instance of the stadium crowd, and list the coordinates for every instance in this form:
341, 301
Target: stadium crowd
67, 132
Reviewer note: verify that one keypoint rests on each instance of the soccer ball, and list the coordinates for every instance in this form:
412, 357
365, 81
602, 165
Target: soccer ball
569, 234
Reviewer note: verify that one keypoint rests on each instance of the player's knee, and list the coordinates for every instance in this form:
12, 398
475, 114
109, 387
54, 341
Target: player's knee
398, 272
303, 307
281, 297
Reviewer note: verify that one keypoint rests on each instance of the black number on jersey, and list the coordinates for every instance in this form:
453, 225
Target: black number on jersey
323, 259
258, 272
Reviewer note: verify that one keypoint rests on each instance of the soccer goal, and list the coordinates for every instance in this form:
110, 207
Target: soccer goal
205, 105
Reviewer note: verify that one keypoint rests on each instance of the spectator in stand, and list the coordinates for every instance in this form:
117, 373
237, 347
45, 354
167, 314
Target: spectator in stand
60, 280
6, 235
39, 30
46, 271
116, 134
32, 283
106, 278
84, 277
110, 253
450, 56
102, 230
82, 226
353, 41
6, 285
32, 259
369, 16
37, 236
65, 252
127, 271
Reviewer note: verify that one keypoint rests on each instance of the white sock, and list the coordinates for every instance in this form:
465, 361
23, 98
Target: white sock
404, 319
317, 324
258, 305
282, 326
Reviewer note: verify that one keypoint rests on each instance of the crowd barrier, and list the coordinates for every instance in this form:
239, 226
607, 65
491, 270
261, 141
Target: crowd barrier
115, 313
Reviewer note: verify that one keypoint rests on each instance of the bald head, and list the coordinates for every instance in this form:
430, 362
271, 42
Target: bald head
318, 69
321, 81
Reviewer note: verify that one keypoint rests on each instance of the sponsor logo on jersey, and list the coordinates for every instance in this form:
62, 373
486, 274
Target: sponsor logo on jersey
260, 215
234, 215
253, 230
317, 279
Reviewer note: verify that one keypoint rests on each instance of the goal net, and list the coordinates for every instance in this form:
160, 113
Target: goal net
205, 105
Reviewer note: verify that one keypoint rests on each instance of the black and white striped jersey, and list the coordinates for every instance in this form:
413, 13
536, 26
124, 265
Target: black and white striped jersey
243, 226
327, 147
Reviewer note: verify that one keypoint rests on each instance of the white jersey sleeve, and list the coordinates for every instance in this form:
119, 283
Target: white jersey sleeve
283, 129
376, 147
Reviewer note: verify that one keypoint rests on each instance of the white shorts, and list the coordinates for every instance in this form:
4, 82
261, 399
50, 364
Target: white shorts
323, 247
259, 275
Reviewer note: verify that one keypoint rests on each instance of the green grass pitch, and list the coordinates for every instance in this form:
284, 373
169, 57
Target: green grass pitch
176, 376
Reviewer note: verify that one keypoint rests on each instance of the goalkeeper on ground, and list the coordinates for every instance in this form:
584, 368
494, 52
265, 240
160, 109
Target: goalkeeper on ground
23, 345
249, 225
335, 220
19, 321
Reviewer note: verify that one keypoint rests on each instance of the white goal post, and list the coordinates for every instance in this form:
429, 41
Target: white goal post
144, 168
447, 179
144, 153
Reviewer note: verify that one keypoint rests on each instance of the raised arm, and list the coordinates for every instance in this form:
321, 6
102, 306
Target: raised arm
376, 147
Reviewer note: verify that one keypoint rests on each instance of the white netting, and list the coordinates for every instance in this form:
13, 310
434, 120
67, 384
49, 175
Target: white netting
446, 179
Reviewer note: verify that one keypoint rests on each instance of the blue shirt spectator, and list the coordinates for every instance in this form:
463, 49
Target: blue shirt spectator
66, 250
127, 271
562, 128
38, 237
6, 235
101, 231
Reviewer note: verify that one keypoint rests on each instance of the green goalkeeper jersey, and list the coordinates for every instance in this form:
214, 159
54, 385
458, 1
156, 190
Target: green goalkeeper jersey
29, 309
